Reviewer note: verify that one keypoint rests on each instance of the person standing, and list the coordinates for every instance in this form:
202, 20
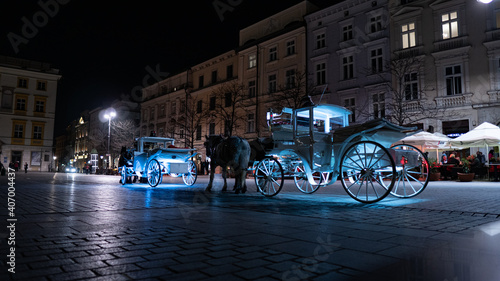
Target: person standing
25, 167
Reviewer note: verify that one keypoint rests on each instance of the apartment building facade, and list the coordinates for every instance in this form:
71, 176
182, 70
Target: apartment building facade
28, 103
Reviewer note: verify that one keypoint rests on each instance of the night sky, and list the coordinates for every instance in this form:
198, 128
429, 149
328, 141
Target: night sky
105, 50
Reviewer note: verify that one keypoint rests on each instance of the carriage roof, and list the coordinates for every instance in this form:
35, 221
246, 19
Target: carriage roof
323, 111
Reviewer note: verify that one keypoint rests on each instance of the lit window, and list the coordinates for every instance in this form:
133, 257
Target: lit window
252, 61
450, 25
408, 35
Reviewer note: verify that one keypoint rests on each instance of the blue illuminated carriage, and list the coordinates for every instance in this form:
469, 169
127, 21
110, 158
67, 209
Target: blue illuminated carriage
154, 157
315, 145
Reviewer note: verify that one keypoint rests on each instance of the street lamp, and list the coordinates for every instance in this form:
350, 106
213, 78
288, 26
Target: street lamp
109, 115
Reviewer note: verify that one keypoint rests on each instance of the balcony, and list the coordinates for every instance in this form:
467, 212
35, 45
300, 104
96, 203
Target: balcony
412, 106
454, 101
452, 43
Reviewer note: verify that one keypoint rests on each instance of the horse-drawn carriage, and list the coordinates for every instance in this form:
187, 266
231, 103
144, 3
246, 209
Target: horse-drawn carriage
315, 146
154, 157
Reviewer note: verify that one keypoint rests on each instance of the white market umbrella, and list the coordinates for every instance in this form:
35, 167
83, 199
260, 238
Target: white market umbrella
485, 134
427, 140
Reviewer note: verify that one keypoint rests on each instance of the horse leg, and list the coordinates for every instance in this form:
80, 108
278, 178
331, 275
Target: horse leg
209, 187
224, 174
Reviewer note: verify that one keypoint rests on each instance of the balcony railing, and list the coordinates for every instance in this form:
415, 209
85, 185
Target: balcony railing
451, 43
494, 96
411, 106
454, 100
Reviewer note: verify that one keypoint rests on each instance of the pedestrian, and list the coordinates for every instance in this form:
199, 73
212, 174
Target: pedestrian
16, 166
25, 167
444, 158
481, 157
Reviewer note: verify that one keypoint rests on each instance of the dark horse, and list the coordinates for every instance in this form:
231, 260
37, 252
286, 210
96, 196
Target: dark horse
233, 152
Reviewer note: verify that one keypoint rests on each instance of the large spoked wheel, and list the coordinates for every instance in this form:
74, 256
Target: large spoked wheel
367, 171
269, 177
301, 181
123, 174
190, 177
154, 172
412, 171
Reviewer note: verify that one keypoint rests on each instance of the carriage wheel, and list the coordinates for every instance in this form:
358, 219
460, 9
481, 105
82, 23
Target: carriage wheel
269, 177
301, 181
412, 176
154, 172
190, 177
367, 171
123, 174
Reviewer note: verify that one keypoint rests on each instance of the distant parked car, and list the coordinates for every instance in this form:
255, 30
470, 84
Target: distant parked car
70, 169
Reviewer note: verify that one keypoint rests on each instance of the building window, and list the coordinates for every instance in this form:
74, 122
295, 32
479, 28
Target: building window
229, 71
377, 61
40, 106
411, 86
161, 113
252, 61
173, 108
453, 76
22, 83
7, 99
251, 89
348, 67
201, 81
273, 54
214, 76
350, 104
321, 73
198, 132
212, 103
290, 47
376, 24
181, 134
21, 103
228, 99
18, 131
272, 86
199, 106
290, 78
347, 32
320, 41
378, 105
449, 22
152, 114
408, 35
41, 85
37, 132
251, 123
183, 106
211, 129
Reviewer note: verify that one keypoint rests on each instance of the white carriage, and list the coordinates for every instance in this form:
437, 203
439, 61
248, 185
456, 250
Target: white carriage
154, 157
315, 146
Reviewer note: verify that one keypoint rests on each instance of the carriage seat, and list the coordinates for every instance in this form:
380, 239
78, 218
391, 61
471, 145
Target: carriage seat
369, 127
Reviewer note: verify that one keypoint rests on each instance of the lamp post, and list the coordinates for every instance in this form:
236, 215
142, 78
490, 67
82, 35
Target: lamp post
110, 115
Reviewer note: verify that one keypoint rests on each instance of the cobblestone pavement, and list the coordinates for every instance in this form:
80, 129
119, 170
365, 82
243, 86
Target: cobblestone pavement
89, 227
